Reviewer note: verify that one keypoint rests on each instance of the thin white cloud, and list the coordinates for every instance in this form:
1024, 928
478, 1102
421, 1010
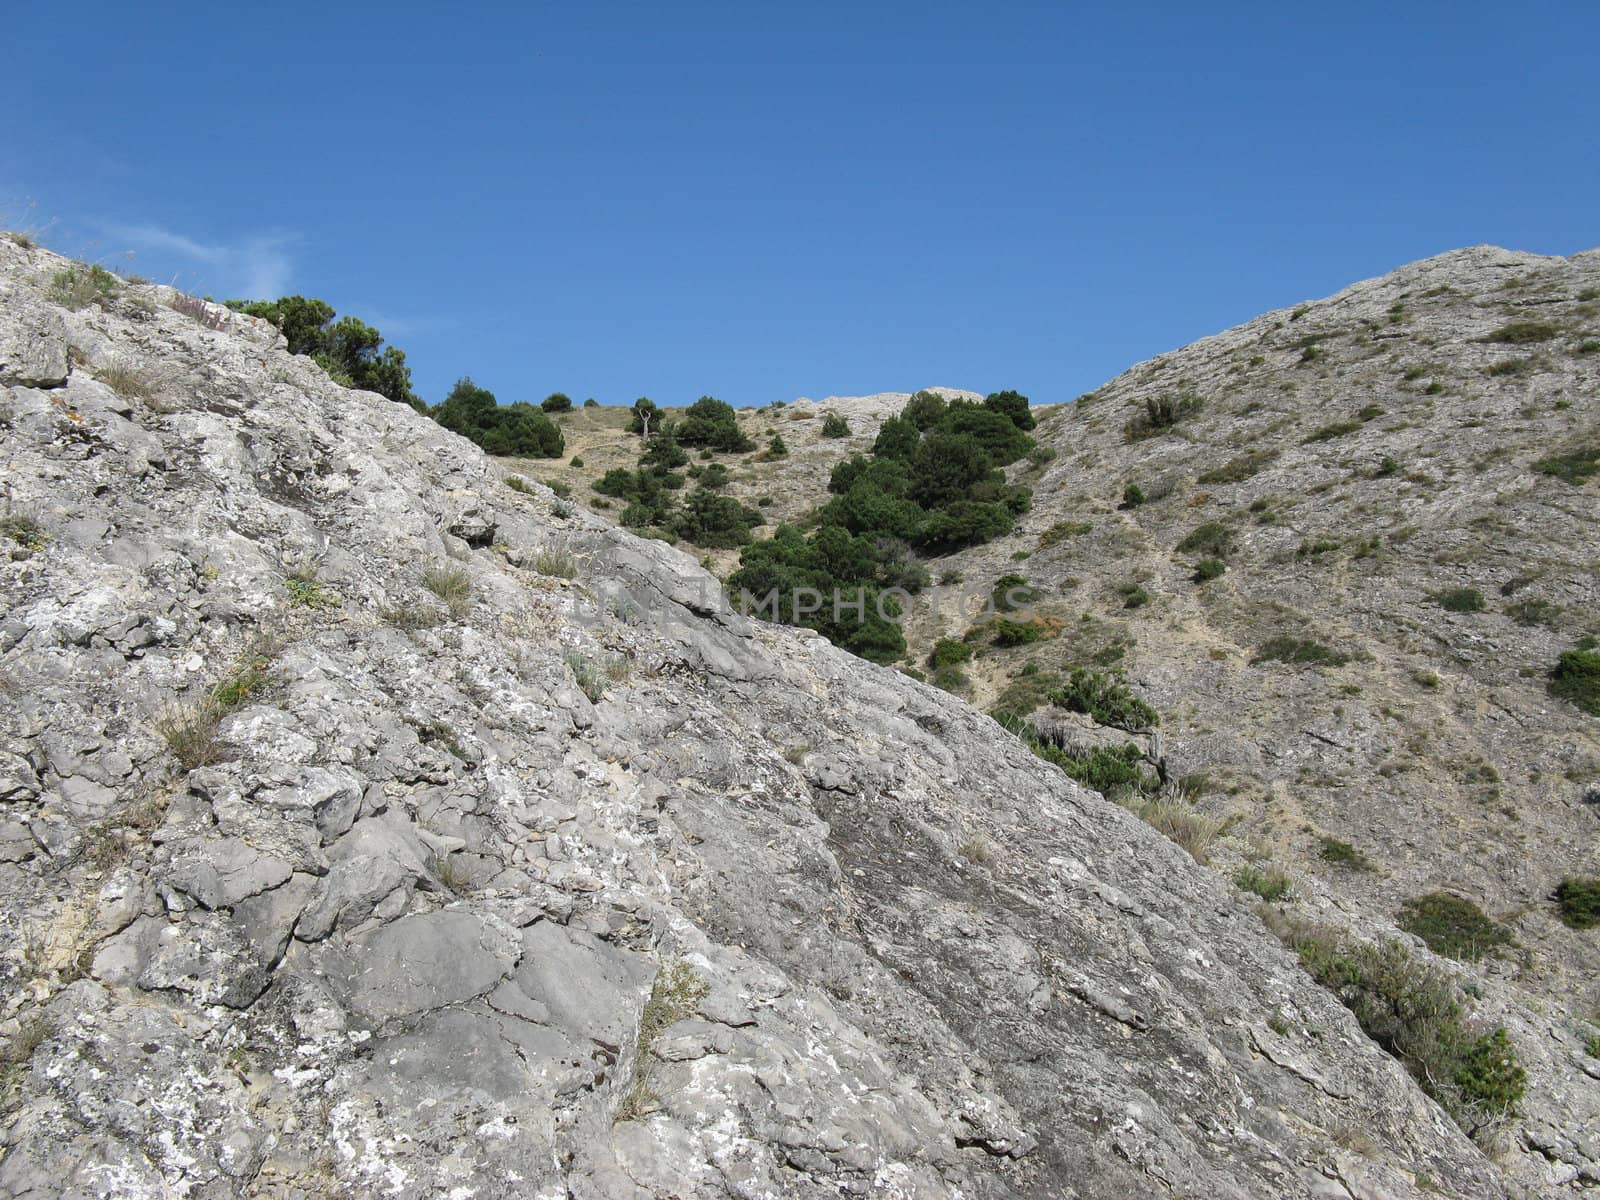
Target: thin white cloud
255, 267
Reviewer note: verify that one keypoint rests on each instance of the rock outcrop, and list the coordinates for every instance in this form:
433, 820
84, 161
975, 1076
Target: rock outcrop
370, 828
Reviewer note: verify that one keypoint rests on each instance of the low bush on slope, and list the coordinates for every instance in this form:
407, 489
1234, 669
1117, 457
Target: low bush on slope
1453, 926
1576, 679
1412, 1011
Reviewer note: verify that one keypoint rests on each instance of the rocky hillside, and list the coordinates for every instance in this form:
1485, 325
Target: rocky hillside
1339, 549
372, 828
1397, 487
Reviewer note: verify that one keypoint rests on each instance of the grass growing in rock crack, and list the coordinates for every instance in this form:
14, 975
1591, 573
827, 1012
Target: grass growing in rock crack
131, 381
190, 729
1178, 821
452, 585
309, 593
1270, 884
15, 1056
674, 996
556, 561
594, 677
79, 286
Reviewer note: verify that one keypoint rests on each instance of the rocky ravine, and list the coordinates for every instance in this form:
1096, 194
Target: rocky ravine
370, 829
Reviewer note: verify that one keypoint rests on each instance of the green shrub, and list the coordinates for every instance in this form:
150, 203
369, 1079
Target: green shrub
1534, 611
1522, 333
1237, 470
1208, 569
776, 447
560, 487
1299, 651
644, 417
1011, 405
1576, 679
591, 402
1159, 414
1511, 366
1579, 902
1062, 530
1316, 547
1104, 769
518, 484
1411, 1010
1133, 596
1132, 496
1212, 539
1343, 854
556, 402
933, 481
713, 424
351, 351
1574, 467
1012, 592
1271, 884
835, 426
1458, 599
577, 461
713, 521
1490, 1079
517, 430
1015, 633
949, 652
1453, 926
1107, 700
1327, 433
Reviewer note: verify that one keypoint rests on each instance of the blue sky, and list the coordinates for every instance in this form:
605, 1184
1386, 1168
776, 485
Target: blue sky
761, 201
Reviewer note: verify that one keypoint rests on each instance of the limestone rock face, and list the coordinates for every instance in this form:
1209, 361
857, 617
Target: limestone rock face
577, 886
33, 341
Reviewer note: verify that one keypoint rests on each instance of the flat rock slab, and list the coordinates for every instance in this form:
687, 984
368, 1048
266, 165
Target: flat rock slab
420, 963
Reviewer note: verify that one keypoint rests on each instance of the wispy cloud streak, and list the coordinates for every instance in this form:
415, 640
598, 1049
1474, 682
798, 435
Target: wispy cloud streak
258, 266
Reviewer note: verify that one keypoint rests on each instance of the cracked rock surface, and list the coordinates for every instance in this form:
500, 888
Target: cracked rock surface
580, 886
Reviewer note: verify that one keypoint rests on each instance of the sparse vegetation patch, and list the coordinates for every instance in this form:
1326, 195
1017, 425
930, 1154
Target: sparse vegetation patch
1453, 926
